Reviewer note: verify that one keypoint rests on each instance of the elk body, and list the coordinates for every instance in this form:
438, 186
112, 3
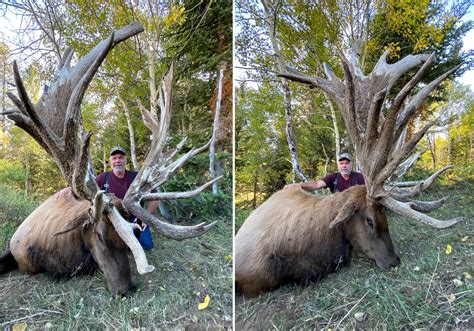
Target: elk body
61, 238
298, 237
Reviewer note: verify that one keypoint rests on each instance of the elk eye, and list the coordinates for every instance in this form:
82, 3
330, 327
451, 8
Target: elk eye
101, 238
370, 222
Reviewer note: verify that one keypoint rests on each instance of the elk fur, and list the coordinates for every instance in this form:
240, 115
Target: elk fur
296, 236
61, 238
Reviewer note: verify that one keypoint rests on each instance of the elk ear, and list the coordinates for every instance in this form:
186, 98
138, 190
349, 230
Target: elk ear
345, 213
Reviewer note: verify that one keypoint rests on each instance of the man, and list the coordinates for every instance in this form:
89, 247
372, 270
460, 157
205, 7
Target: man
117, 182
336, 182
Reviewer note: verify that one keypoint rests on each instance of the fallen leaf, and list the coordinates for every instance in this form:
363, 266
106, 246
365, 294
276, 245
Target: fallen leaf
228, 258
449, 249
19, 327
467, 275
457, 282
451, 298
205, 303
464, 239
360, 316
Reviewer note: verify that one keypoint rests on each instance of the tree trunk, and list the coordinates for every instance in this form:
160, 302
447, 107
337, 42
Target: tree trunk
448, 156
255, 189
104, 159
337, 137
269, 19
432, 142
133, 152
27, 167
469, 152
212, 152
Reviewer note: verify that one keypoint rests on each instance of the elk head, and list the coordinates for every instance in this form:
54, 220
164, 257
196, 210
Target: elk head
377, 125
55, 122
107, 248
365, 227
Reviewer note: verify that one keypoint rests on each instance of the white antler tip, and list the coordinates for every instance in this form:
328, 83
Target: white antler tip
145, 269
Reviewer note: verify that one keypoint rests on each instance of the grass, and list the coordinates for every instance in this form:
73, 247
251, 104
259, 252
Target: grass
429, 290
186, 271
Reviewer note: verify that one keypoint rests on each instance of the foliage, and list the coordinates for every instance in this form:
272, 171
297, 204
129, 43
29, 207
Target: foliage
15, 206
410, 27
12, 174
206, 204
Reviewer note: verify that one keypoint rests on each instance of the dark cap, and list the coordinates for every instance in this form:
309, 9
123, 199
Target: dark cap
345, 156
117, 149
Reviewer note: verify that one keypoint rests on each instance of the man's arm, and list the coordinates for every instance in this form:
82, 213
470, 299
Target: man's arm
308, 186
311, 186
152, 206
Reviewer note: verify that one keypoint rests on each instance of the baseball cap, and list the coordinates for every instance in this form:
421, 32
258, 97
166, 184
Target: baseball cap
117, 149
345, 156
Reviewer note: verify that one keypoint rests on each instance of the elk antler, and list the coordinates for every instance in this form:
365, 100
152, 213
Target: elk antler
160, 166
55, 122
374, 125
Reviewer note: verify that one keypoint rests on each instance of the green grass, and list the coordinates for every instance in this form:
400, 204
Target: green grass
186, 271
417, 294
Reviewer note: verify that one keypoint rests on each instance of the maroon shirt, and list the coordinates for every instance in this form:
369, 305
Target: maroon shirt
355, 178
118, 186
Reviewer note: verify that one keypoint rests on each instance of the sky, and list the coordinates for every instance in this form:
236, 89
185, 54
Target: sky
468, 40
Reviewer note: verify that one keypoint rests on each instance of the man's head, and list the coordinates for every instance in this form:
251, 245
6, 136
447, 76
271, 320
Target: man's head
118, 159
344, 164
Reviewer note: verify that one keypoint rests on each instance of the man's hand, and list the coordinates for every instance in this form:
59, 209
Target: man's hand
293, 186
63, 193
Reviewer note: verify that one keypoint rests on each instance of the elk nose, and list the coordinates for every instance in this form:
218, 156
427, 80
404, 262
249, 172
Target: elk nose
395, 263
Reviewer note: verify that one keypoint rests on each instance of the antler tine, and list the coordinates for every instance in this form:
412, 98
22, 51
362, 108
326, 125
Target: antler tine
165, 99
404, 209
151, 177
125, 231
410, 189
178, 195
426, 206
418, 99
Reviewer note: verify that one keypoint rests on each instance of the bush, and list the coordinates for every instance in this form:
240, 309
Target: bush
12, 173
15, 206
205, 206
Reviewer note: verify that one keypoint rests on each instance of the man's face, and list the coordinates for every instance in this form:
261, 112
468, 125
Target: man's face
118, 162
345, 167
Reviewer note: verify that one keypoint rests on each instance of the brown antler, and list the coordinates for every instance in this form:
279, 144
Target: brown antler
159, 167
55, 122
375, 125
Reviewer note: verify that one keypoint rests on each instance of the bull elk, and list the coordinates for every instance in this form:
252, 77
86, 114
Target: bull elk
297, 237
88, 228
